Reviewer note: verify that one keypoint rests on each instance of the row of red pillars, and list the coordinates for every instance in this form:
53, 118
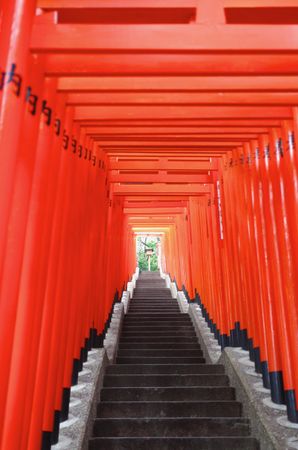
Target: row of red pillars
62, 234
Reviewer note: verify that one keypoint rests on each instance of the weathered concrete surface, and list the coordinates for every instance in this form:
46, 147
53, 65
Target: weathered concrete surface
257, 405
182, 302
209, 345
74, 432
112, 337
268, 420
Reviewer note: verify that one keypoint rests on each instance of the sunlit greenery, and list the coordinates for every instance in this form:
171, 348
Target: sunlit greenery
144, 243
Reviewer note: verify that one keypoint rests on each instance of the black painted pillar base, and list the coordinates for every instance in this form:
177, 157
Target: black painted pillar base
292, 409
244, 339
257, 359
46, 440
50, 438
251, 350
98, 340
265, 374
56, 428
277, 387
235, 334
65, 404
75, 371
224, 340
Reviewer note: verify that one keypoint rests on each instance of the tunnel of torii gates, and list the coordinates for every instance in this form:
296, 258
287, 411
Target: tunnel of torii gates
120, 117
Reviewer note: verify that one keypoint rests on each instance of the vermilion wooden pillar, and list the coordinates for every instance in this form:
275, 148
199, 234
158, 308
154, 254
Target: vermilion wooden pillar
17, 20
16, 354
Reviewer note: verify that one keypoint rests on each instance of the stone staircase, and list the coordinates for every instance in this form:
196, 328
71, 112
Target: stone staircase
160, 394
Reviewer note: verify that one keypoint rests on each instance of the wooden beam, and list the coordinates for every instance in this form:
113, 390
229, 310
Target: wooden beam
177, 131
180, 166
158, 178
160, 198
160, 112
260, 3
178, 99
167, 143
172, 136
211, 152
185, 123
159, 188
203, 38
155, 204
181, 84
153, 211
170, 64
143, 156
79, 4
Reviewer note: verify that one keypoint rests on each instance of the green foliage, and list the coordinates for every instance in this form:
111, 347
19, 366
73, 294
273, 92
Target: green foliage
143, 259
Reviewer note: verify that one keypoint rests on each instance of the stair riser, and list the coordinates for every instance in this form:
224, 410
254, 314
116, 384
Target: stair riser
157, 320
157, 346
160, 352
171, 427
167, 394
160, 334
169, 409
162, 311
173, 444
167, 339
164, 381
160, 394
172, 369
161, 360
156, 328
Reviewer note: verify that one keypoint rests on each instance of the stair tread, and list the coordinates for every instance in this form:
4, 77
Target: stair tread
169, 443
161, 394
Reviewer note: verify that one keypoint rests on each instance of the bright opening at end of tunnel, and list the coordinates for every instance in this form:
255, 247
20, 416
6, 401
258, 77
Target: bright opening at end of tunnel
149, 161
148, 251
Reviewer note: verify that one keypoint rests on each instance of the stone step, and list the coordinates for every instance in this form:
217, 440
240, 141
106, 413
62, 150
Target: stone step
172, 369
162, 310
158, 318
160, 394
157, 329
148, 380
167, 393
174, 311
175, 427
157, 287
157, 299
157, 324
158, 308
160, 352
164, 443
223, 408
159, 345
159, 360
160, 334
163, 315
167, 339
163, 293
153, 298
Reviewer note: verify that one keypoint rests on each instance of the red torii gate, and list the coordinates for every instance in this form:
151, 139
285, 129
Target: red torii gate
117, 116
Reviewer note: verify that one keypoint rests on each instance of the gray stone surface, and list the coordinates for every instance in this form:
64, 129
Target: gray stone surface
209, 345
257, 405
74, 432
182, 302
269, 423
112, 337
